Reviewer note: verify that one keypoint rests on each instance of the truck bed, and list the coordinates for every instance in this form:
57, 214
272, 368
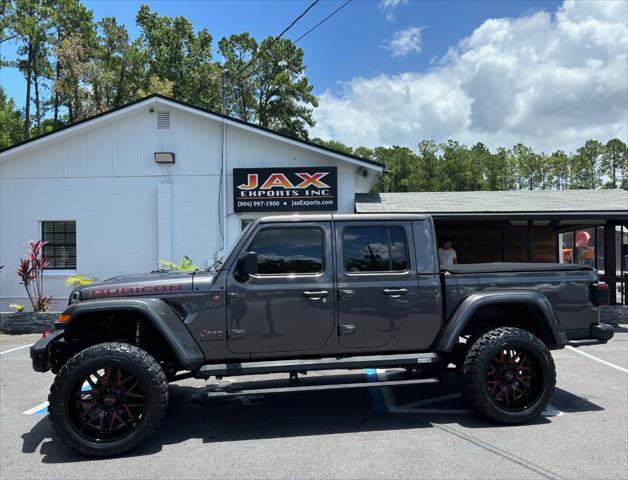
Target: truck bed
566, 286
500, 267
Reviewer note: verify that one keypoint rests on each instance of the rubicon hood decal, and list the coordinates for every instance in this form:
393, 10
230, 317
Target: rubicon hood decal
140, 285
124, 291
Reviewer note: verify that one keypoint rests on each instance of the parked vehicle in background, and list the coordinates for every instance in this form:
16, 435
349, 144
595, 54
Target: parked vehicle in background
314, 293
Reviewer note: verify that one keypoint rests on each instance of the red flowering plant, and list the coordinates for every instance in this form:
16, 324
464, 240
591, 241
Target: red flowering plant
31, 275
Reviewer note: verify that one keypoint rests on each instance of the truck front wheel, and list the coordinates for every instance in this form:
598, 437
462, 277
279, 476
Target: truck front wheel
107, 399
508, 375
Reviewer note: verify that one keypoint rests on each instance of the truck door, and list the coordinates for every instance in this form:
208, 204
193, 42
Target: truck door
288, 304
377, 282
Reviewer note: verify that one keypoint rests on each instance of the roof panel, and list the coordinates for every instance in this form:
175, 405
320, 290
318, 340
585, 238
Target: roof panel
342, 217
529, 201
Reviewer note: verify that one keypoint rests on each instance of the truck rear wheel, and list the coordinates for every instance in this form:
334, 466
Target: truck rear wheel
107, 399
508, 375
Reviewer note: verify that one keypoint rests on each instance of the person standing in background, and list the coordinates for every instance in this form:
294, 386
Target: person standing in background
447, 255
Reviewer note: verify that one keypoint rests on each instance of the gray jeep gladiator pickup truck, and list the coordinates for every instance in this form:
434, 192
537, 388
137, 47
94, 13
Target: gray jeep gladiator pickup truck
302, 293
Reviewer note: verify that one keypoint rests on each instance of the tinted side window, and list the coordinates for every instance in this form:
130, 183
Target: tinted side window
374, 249
289, 250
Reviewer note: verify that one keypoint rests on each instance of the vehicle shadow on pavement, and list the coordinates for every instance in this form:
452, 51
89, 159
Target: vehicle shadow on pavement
621, 328
230, 419
569, 403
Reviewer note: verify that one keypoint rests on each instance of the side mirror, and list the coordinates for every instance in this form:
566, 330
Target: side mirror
247, 265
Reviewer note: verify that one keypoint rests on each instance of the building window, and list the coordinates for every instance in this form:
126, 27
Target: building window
61, 246
288, 250
374, 249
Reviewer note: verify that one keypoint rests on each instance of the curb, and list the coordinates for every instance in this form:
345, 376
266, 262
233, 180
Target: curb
614, 314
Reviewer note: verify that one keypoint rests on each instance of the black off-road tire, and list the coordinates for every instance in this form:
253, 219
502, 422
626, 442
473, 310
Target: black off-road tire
478, 379
460, 351
138, 363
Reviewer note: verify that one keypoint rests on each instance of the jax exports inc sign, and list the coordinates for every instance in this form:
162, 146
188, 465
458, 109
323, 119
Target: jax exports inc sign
284, 189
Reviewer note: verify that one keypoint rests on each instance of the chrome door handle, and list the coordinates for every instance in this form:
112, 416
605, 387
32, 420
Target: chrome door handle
236, 333
316, 294
346, 330
395, 292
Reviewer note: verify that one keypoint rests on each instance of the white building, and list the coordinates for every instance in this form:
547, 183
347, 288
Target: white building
97, 190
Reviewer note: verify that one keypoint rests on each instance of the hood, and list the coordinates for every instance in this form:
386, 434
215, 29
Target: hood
141, 284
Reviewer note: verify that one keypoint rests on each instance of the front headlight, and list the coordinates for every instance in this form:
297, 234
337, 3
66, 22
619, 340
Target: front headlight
75, 297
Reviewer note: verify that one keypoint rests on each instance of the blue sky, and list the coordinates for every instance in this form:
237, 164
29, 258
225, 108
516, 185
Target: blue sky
550, 74
349, 44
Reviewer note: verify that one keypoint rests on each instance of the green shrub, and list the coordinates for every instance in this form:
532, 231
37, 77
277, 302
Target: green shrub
184, 265
18, 307
79, 280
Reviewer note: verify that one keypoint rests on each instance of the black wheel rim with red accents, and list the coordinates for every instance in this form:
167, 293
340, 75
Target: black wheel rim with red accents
514, 379
107, 404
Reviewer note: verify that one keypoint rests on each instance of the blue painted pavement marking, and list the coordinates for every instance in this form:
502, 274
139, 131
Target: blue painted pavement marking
377, 398
42, 411
42, 408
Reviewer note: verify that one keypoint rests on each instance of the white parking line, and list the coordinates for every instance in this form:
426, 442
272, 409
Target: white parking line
551, 411
16, 348
593, 357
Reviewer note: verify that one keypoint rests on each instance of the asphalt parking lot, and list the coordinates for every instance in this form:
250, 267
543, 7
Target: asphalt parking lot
408, 431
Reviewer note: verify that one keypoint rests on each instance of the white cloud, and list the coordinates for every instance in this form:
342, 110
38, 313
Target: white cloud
390, 4
404, 42
387, 6
547, 80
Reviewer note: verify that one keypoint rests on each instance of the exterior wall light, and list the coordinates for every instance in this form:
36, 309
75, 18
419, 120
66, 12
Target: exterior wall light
164, 157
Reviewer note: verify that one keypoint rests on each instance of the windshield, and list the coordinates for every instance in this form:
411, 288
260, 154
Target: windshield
223, 254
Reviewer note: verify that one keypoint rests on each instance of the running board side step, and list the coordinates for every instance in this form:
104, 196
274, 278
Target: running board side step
233, 391
329, 363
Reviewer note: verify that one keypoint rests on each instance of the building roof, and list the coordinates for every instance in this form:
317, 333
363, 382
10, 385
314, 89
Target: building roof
523, 203
177, 103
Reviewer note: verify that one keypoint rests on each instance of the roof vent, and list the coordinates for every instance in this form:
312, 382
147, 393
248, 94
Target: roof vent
163, 121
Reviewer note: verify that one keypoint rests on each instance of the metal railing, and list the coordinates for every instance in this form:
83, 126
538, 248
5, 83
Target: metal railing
621, 287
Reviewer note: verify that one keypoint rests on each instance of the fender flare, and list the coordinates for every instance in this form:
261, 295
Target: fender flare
463, 314
158, 313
